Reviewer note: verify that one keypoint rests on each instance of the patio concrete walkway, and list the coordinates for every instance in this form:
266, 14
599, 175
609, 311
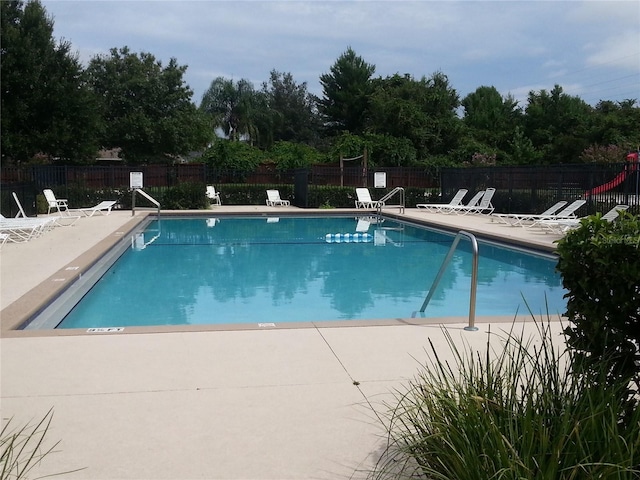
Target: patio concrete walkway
285, 403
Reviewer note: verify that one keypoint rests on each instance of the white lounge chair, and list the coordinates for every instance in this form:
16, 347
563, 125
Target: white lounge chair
514, 219
563, 225
100, 208
59, 204
213, 195
25, 229
483, 206
20, 209
274, 200
364, 199
471, 203
435, 207
566, 213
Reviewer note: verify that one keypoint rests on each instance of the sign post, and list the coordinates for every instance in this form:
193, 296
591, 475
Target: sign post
135, 183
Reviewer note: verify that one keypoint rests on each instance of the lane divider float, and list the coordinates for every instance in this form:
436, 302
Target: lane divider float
348, 238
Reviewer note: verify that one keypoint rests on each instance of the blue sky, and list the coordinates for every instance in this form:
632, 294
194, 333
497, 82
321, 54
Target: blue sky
590, 48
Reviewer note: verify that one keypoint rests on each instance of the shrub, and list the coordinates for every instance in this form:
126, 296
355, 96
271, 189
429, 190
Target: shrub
238, 157
290, 155
518, 413
185, 196
600, 267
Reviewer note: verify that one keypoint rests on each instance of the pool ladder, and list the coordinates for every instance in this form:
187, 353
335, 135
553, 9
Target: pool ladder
382, 202
474, 277
145, 195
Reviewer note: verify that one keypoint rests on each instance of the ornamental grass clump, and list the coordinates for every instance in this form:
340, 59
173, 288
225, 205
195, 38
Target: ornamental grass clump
515, 412
23, 448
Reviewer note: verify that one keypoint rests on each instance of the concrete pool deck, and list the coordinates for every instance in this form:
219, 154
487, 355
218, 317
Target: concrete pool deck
285, 403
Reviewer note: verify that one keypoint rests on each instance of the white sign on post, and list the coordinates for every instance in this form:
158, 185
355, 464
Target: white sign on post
380, 180
135, 180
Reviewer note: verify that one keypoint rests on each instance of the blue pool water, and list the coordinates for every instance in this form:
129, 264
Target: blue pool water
258, 270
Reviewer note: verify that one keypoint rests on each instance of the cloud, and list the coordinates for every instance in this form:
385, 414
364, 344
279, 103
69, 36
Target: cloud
507, 44
621, 51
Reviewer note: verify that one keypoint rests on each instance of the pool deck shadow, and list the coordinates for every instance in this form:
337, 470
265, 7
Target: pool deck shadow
301, 401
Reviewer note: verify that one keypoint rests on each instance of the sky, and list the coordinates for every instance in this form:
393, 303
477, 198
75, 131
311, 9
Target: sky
590, 48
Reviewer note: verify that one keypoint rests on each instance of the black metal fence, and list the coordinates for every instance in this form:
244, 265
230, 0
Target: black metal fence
530, 189
518, 188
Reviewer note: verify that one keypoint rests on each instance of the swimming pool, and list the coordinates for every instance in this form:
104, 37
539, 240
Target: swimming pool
220, 270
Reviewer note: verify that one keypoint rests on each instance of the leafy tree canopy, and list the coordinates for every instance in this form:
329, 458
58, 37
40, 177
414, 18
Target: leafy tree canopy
346, 88
293, 109
233, 156
290, 155
237, 108
557, 124
422, 111
147, 108
46, 106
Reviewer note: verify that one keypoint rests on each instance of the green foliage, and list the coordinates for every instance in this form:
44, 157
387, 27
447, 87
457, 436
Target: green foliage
388, 151
238, 157
557, 124
521, 149
346, 93
491, 118
423, 111
288, 155
515, 411
292, 110
185, 196
616, 123
348, 145
238, 109
146, 107
46, 107
251, 194
323, 196
600, 267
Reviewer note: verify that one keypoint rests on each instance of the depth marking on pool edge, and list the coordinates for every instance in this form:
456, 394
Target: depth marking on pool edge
266, 325
105, 329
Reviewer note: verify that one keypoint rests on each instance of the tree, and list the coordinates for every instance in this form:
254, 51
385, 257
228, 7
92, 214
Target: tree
293, 109
616, 123
46, 105
290, 155
237, 108
491, 118
423, 111
557, 125
237, 159
346, 91
146, 107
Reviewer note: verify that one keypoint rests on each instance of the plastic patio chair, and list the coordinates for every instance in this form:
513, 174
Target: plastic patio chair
364, 199
213, 195
53, 203
274, 200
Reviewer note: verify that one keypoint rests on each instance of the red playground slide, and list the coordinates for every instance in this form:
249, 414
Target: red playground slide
631, 166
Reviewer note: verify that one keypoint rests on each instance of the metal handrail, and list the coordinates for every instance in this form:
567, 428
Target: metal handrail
381, 202
474, 277
145, 195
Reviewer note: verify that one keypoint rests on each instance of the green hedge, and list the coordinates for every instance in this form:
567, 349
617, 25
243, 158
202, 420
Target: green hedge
190, 196
600, 267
